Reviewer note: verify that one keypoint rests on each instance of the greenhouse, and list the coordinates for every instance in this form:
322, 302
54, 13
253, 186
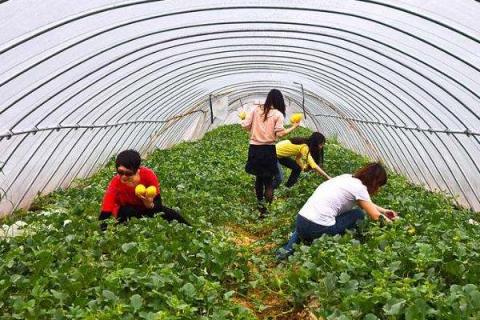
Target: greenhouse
157, 155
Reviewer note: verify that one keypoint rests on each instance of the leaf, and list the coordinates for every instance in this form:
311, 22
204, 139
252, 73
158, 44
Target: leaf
370, 316
330, 281
417, 311
109, 295
189, 290
228, 295
136, 301
128, 246
344, 277
395, 266
57, 294
475, 299
394, 307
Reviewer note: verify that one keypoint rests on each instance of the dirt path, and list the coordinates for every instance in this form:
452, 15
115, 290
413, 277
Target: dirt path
265, 304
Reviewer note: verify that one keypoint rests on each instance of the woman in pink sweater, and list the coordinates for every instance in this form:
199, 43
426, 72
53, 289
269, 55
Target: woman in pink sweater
265, 124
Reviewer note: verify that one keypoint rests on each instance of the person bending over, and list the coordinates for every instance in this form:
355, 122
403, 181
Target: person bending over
330, 209
299, 154
122, 202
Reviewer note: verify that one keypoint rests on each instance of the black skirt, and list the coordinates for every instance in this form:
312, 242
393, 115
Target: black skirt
262, 160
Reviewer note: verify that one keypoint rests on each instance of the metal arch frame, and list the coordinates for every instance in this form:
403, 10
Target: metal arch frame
218, 64
369, 48
440, 139
93, 12
393, 162
115, 70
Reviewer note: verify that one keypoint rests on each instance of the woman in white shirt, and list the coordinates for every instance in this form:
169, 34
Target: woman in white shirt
330, 208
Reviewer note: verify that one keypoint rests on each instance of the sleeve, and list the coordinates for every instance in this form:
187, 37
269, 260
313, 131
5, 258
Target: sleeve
109, 201
152, 180
279, 123
247, 123
306, 154
361, 192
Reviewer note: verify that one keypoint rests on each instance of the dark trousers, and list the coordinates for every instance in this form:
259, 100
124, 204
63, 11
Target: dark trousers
307, 231
296, 170
264, 188
125, 213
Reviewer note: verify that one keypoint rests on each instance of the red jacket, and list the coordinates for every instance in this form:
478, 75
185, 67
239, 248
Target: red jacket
119, 194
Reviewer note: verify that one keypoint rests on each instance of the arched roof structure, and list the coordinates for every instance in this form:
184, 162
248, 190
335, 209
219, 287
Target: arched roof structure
80, 81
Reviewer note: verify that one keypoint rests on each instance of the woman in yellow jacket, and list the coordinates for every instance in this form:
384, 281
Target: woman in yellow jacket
305, 151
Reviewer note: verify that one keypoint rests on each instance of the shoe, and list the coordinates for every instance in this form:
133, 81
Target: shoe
283, 254
263, 212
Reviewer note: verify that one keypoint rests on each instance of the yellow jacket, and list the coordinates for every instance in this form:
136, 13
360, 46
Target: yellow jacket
300, 151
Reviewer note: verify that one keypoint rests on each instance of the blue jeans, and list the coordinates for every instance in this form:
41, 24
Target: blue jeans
307, 231
278, 178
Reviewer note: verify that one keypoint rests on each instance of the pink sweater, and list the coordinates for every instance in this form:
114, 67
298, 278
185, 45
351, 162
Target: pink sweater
263, 132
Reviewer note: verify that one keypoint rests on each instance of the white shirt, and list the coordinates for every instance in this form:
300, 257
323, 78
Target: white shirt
332, 198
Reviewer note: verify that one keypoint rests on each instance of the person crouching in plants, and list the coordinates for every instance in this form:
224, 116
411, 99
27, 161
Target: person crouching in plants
330, 209
126, 195
265, 124
301, 149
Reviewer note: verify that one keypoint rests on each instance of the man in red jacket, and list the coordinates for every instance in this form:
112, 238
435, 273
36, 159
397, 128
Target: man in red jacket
120, 199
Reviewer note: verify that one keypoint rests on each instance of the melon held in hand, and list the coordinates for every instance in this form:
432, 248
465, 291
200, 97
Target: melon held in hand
140, 190
151, 192
296, 117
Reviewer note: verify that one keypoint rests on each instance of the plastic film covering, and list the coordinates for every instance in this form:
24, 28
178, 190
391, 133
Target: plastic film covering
397, 81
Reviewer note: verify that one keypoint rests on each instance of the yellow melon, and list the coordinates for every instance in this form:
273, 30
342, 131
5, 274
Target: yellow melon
296, 117
140, 190
151, 192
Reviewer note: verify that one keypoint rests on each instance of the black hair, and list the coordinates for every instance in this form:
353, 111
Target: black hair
274, 101
312, 142
130, 159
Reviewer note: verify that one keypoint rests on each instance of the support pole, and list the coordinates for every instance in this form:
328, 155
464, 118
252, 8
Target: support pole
211, 108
